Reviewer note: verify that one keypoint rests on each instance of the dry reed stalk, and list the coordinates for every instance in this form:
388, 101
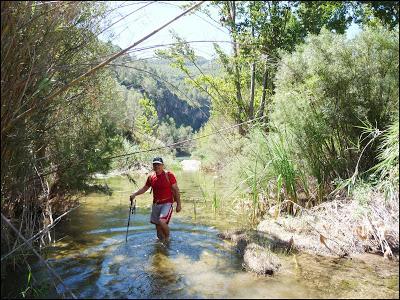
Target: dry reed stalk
338, 228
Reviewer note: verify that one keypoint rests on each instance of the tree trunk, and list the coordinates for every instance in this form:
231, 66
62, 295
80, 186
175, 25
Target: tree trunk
253, 70
232, 11
264, 92
252, 84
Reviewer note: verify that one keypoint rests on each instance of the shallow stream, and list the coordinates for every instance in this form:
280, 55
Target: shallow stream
93, 259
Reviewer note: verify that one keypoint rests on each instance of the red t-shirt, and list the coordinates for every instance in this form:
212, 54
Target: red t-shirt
162, 192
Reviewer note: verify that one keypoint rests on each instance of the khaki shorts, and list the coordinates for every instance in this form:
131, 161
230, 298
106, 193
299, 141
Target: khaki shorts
161, 212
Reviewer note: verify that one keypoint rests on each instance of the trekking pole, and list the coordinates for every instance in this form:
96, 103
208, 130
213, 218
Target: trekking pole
131, 210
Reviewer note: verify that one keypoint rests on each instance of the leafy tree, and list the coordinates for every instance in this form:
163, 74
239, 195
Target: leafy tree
371, 13
147, 118
314, 15
259, 31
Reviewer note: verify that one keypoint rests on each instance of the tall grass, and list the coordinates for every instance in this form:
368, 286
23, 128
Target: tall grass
283, 165
50, 146
278, 200
387, 170
254, 192
385, 173
388, 167
202, 183
268, 172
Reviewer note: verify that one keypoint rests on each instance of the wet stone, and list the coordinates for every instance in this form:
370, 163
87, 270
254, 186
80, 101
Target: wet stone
256, 258
260, 260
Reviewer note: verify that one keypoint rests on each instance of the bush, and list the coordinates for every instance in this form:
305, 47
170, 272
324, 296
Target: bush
327, 89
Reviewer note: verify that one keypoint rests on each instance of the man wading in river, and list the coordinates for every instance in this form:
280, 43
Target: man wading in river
165, 192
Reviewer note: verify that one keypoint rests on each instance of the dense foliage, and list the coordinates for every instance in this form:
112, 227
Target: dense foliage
328, 89
326, 100
50, 145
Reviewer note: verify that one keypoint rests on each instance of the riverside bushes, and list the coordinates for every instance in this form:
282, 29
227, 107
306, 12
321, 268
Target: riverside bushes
329, 91
50, 145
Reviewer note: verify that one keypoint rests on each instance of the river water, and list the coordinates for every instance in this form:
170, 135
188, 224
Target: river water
93, 259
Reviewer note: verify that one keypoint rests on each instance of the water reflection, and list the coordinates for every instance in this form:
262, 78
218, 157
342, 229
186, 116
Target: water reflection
161, 270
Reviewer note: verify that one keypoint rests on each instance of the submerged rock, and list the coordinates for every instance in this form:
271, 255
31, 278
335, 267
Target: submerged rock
239, 237
260, 260
256, 258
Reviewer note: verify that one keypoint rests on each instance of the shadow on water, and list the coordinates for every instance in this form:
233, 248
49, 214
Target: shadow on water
94, 260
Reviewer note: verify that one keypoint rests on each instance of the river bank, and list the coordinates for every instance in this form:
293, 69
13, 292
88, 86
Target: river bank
342, 227
339, 229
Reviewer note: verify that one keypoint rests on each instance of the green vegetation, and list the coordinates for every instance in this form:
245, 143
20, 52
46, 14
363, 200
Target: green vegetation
166, 89
51, 145
323, 102
315, 112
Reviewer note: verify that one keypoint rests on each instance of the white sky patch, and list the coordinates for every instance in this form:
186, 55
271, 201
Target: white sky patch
193, 27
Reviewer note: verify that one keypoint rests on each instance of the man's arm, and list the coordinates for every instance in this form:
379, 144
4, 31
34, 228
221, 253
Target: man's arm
139, 192
177, 196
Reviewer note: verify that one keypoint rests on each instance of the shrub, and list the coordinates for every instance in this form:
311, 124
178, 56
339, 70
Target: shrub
327, 89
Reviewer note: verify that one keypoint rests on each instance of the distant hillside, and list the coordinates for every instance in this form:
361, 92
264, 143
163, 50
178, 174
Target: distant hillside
166, 87
207, 66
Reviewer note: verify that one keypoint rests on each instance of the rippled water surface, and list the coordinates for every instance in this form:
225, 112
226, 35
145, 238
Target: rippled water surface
93, 259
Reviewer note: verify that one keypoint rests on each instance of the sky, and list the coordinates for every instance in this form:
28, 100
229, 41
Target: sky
145, 16
194, 27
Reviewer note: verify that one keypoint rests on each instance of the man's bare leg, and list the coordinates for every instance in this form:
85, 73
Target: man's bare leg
164, 230
160, 234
